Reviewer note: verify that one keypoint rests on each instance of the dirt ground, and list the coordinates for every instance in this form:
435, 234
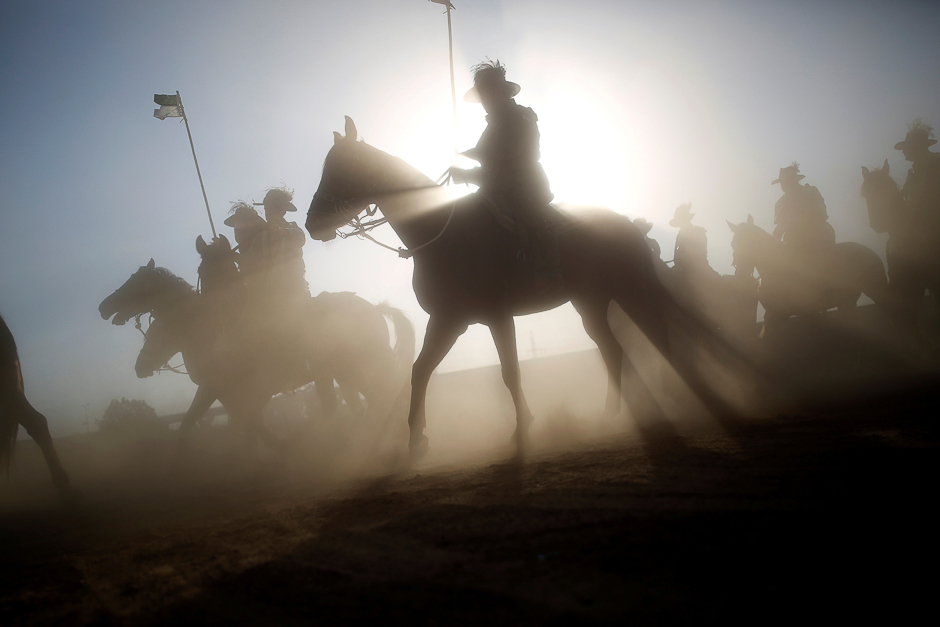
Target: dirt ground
825, 514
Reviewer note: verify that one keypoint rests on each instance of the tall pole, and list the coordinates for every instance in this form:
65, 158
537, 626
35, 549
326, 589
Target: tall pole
450, 49
196, 161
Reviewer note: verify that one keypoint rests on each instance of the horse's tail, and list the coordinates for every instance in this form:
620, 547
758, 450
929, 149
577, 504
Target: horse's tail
404, 334
11, 383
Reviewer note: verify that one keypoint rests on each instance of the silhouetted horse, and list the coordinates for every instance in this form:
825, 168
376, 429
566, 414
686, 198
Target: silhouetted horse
467, 269
913, 248
242, 363
16, 410
794, 283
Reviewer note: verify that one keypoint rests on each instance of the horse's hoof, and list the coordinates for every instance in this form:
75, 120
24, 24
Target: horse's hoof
418, 447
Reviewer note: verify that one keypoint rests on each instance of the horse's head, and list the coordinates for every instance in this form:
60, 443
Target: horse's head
218, 268
882, 195
140, 293
346, 186
746, 244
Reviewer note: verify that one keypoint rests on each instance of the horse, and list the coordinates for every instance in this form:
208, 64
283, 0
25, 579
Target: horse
468, 269
243, 363
796, 282
912, 247
16, 410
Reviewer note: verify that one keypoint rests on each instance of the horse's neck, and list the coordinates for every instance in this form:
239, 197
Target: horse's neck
773, 254
414, 205
172, 296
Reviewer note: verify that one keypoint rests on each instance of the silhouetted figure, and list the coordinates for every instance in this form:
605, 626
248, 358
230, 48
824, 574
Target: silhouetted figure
511, 177
246, 222
800, 215
462, 258
16, 410
279, 247
922, 188
793, 283
344, 337
910, 217
690, 255
728, 303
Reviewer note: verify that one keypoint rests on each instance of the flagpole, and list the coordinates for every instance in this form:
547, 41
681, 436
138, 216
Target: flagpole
196, 161
450, 49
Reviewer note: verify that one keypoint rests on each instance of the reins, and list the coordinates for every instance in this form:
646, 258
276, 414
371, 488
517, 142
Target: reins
361, 229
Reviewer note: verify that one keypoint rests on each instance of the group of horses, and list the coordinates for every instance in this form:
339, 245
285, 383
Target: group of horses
467, 270
240, 350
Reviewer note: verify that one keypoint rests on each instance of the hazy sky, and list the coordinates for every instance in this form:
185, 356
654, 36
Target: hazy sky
642, 106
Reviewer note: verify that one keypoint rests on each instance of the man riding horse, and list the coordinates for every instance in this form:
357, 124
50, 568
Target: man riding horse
800, 215
922, 188
511, 178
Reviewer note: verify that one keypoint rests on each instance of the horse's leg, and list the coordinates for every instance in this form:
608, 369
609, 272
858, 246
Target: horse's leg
594, 318
201, 403
439, 338
504, 335
37, 427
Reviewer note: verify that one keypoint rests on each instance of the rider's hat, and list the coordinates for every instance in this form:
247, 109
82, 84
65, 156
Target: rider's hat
243, 215
683, 215
490, 77
789, 173
918, 135
643, 225
279, 197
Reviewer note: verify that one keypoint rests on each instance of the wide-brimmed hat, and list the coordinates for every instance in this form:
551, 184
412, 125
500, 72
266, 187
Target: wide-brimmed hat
243, 215
683, 215
789, 173
490, 77
279, 197
918, 135
643, 224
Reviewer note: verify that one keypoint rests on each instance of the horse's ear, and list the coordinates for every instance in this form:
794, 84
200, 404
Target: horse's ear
151, 265
228, 244
886, 169
733, 228
865, 173
200, 245
337, 138
750, 219
351, 133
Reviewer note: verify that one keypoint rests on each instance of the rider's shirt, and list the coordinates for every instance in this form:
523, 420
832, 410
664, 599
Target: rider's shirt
691, 248
508, 152
801, 214
277, 254
922, 188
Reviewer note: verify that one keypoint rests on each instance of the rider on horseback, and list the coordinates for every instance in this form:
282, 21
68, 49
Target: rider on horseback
511, 178
279, 247
922, 187
247, 224
800, 215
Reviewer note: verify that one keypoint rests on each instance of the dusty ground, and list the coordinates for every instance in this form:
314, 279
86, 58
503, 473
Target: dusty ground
822, 515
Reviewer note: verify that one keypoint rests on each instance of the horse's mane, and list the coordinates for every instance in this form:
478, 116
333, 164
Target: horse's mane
173, 280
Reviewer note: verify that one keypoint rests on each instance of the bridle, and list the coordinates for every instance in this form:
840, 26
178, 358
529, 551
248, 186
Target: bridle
360, 228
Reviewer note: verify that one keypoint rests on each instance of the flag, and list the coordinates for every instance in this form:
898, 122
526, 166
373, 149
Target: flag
169, 106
